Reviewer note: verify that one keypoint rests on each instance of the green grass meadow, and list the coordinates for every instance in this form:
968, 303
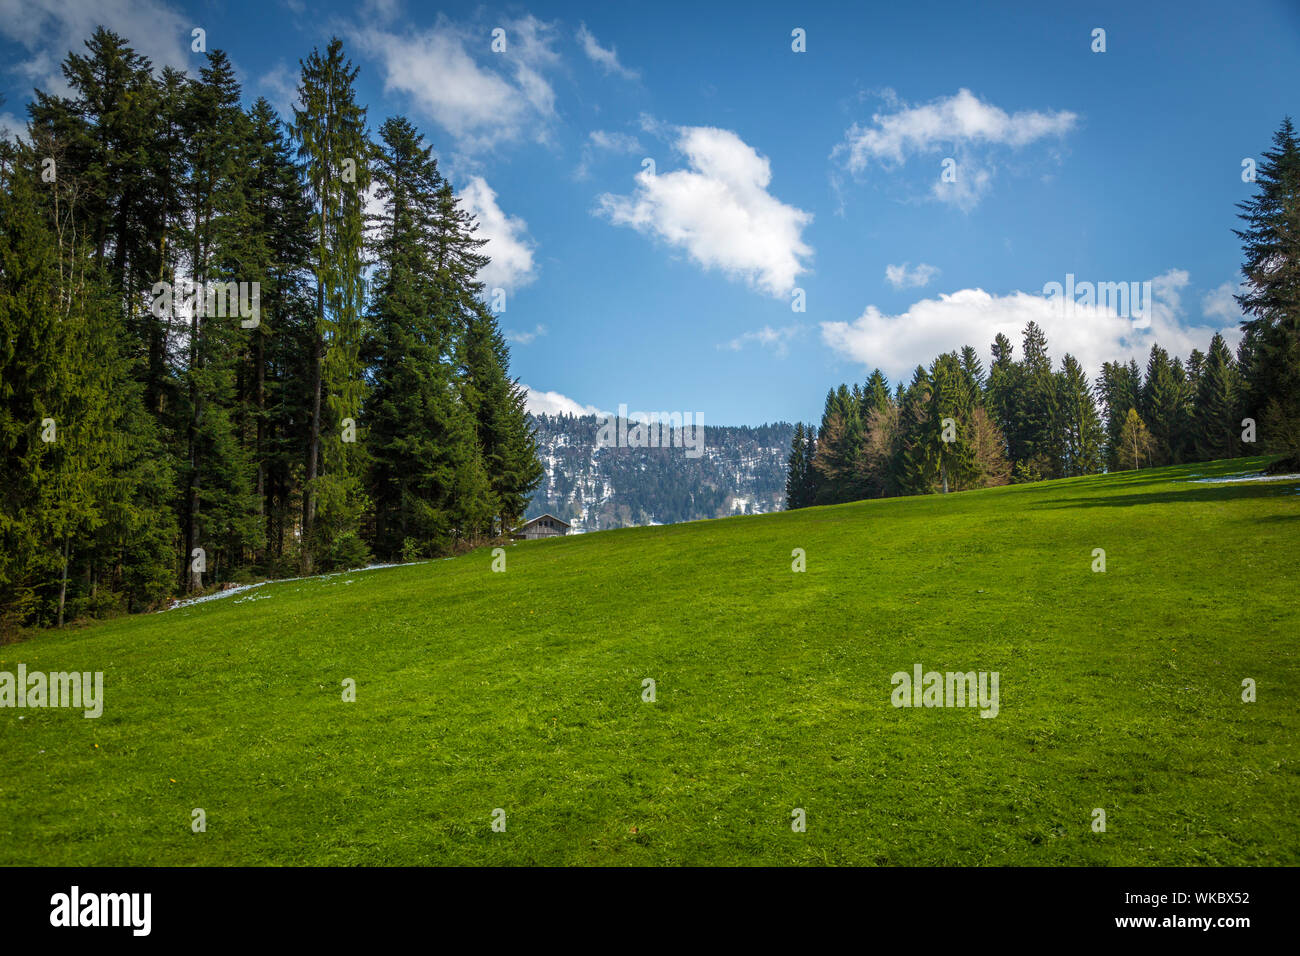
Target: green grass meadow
522, 690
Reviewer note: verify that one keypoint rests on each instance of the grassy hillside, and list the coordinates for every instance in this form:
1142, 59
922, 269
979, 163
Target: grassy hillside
523, 691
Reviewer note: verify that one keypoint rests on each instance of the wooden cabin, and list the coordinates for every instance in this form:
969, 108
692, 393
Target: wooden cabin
543, 526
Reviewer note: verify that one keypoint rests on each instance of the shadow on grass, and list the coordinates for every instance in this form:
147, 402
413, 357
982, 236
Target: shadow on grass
1196, 494
1294, 517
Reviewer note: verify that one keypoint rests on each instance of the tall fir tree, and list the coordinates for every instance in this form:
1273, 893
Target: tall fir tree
272, 395
1001, 395
1120, 389
1039, 427
1215, 429
330, 128
796, 470
1162, 406
1082, 437
219, 507
1270, 242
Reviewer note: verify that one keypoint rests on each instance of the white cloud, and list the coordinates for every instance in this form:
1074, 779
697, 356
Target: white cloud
1220, 304
1092, 334
48, 29
481, 98
11, 127
381, 11
719, 211
599, 140
962, 118
778, 340
508, 243
965, 192
525, 338
607, 59
280, 87
963, 124
372, 210
900, 277
614, 142
553, 403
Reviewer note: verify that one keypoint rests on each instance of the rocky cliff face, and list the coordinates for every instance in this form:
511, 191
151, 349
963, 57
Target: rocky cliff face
741, 470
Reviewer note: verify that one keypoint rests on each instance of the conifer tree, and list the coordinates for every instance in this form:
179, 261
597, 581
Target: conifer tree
1082, 434
499, 407
272, 394
1162, 406
1216, 429
945, 452
1001, 396
67, 394
331, 130
1037, 399
875, 394
972, 375
796, 470
1120, 389
910, 473
220, 507
840, 440
1271, 300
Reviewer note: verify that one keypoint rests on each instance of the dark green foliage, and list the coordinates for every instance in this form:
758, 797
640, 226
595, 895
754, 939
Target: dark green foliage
1082, 436
182, 425
1270, 362
1023, 421
799, 485
1215, 430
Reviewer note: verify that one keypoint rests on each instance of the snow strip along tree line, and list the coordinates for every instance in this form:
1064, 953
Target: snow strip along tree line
954, 427
355, 404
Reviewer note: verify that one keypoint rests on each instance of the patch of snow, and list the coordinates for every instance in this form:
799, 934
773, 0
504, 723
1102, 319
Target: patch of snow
1238, 479
231, 592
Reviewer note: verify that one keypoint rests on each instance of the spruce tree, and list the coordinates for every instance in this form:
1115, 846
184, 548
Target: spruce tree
1271, 301
1216, 428
220, 506
1039, 411
910, 472
945, 454
1120, 389
1082, 434
796, 469
272, 392
840, 442
972, 375
331, 131
1001, 396
1162, 406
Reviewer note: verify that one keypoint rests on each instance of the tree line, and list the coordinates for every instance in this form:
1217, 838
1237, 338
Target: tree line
955, 426
215, 365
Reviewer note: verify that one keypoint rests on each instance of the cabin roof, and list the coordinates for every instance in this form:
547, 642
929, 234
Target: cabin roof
541, 516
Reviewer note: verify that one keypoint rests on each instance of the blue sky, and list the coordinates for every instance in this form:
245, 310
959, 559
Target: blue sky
777, 170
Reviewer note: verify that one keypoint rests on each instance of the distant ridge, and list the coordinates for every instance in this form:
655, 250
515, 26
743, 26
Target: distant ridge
742, 471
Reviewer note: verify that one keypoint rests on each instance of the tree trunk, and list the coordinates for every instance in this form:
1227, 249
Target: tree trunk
313, 456
63, 582
259, 356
